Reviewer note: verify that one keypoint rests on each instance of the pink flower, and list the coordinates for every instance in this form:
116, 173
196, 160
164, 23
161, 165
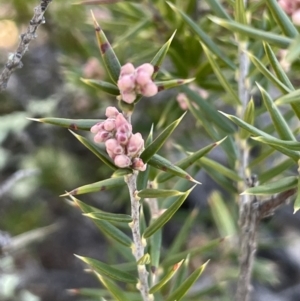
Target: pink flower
121, 144
135, 145
149, 89
102, 136
127, 69
122, 161
109, 124
111, 112
136, 81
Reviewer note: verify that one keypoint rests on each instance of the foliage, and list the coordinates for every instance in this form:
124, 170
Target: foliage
201, 60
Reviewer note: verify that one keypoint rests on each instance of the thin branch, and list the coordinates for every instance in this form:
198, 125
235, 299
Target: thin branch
267, 207
17, 176
248, 207
139, 244
14, 60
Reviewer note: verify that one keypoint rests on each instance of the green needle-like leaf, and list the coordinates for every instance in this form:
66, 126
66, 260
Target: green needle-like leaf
277, 169
205, 38
181, 291
98, 186
155, 146
110, 217
158, 193
293, 50
264, 71
72, 124
281, 75
291, 97
168, 84
221, 214
223, 170
166, 216
256, 132
272, 38
292, 145
102, 86
160, 56
162, 163
297, 201
180, 238
108, 229
106, 270
240, 12
109, 57
115, 291
200, 250
166, 278
96, 150
188, 161
210, 112
274, 187
221, 77
249, 118
279, 122
218, 9
282, 19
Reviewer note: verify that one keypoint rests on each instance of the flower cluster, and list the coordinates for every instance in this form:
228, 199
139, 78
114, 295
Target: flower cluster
136, 81
122, 145
292, 8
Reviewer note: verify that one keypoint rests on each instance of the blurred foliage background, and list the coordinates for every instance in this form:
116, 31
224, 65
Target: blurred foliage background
39, 162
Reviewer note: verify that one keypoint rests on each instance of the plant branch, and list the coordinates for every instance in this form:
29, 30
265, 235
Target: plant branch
139, 245
248, 206
14, 60
267, 207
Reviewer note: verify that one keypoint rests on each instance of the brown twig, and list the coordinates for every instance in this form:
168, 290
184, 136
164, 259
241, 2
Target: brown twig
267, 207
14, 60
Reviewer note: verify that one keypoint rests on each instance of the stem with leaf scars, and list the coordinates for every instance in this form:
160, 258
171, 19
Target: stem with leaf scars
139, 244
14, 60
248, 206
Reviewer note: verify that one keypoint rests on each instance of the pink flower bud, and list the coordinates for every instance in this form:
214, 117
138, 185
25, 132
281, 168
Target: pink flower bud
102, 136
122, 138
109, 125
143, 78
147, 68
96, 128
122, 161
111, 112
296, 17
128, 97
127, 69
135, 145
150, 89
122, 124
114, 147
138, 164
126, 83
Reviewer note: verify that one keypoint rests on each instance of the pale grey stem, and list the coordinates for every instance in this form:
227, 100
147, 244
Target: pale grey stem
139, 243
14, 60
248, 207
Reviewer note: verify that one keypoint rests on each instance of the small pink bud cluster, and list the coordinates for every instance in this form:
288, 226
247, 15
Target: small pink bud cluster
122, 145
136, 81
292, 8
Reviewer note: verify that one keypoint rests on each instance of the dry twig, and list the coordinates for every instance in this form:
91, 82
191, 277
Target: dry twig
14, 60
